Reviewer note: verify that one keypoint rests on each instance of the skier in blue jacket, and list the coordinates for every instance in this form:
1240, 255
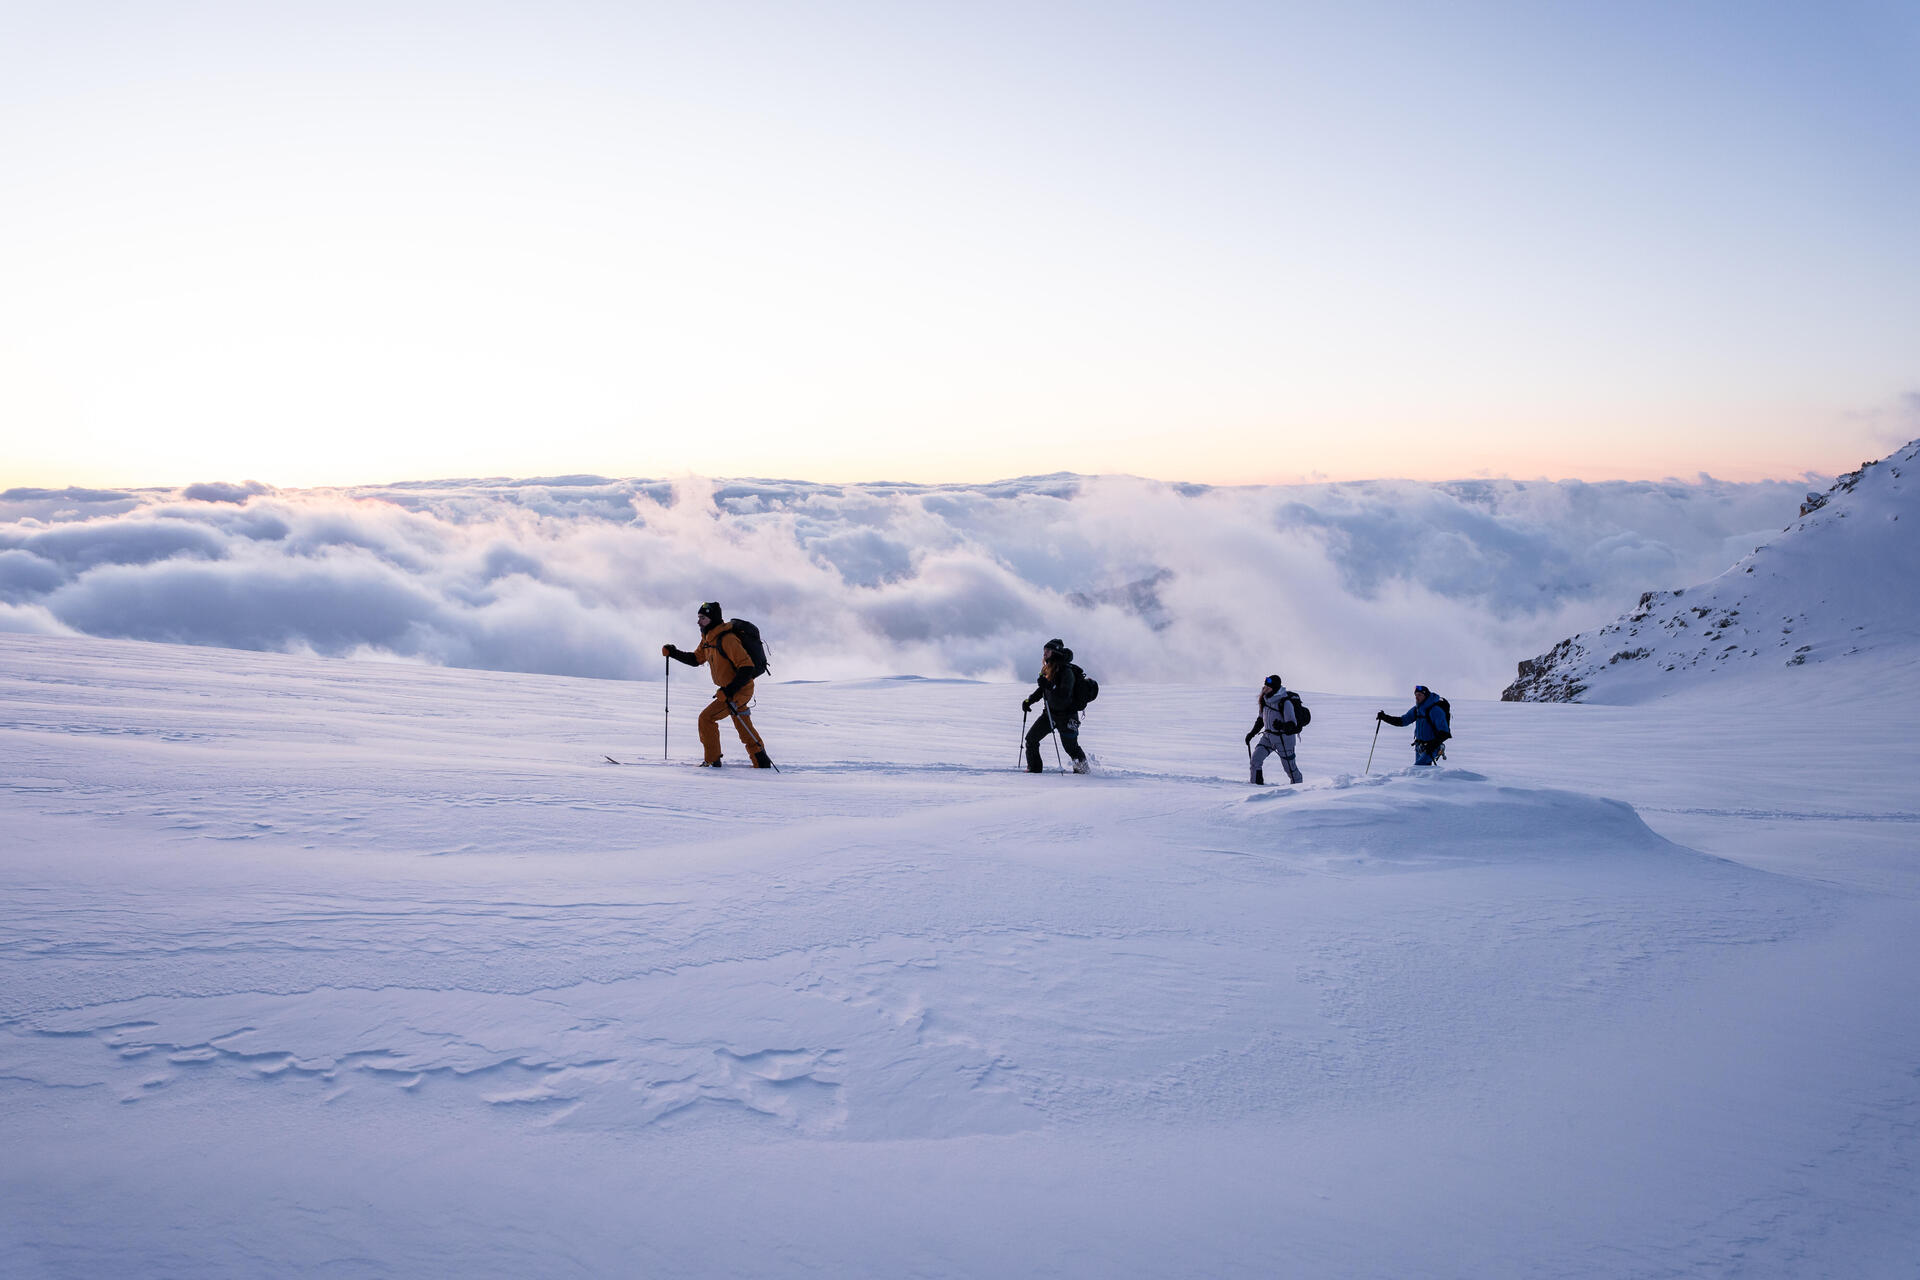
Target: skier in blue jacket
1428, 716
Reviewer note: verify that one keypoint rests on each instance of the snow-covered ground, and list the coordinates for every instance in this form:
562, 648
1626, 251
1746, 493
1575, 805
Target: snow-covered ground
331, 968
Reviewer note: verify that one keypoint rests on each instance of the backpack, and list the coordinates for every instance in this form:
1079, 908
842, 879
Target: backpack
1439, 734
1301, 716
756, 647
1085, 688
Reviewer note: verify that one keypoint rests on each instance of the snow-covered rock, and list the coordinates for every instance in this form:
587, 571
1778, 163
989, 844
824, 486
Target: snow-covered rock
1839, 585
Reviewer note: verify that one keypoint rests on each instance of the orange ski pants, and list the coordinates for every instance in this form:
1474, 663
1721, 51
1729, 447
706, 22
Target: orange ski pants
716, 711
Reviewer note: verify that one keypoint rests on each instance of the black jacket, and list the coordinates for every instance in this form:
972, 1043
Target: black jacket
1059, 691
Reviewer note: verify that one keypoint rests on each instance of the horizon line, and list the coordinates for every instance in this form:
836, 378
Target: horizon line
584, 479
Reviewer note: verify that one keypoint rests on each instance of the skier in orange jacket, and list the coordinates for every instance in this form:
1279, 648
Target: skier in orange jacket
733, 671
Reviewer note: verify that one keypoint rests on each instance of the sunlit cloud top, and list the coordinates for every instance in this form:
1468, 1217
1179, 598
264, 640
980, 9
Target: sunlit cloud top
352, 242
1365, 586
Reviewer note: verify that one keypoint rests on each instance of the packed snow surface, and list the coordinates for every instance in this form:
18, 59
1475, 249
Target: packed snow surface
316, 967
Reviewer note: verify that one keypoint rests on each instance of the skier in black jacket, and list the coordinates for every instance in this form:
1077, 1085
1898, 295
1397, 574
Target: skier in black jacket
1057, 688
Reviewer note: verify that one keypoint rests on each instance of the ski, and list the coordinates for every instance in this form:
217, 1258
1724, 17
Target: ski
675, 764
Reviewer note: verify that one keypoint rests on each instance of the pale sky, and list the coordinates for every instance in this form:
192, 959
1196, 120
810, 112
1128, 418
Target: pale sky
353, 243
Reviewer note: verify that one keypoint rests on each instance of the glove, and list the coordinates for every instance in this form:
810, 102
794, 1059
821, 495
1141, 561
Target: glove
1250, 734
666, 651
733, 687
1026, 704
1381, 715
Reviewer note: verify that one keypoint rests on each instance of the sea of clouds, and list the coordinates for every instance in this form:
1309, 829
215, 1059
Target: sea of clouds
1353, 587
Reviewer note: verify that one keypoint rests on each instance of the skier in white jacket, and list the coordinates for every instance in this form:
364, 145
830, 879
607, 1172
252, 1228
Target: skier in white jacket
1278, 727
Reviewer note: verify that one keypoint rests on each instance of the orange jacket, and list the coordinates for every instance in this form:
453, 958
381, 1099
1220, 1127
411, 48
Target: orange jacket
723, 653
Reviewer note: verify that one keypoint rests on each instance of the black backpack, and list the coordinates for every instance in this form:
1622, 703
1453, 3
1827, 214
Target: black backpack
756, 647
1441, 735
1301, 716
1085, 687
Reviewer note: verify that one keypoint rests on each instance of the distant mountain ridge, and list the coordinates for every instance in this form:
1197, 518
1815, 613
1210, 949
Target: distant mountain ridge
1840, 584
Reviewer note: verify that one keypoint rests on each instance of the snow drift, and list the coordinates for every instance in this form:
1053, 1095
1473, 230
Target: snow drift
338, 968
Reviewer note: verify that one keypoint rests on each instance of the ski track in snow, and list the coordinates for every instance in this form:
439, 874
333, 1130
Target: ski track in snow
411, 981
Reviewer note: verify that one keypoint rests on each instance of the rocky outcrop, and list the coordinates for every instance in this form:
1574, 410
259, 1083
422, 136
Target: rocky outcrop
1550, 677
1838, 582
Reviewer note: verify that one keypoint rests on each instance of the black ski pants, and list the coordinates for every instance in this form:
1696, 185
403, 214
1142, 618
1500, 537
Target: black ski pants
1069, 740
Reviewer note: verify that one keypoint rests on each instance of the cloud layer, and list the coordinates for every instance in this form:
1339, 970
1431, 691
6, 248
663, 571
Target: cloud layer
1365, 586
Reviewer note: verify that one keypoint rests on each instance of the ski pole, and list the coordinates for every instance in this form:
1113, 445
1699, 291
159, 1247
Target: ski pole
1020, 752
1053, 727
666, 705
741, 719
745, 721
1376, 742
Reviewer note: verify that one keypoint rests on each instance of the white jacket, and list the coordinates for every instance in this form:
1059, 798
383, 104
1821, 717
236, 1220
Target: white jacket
1279, 712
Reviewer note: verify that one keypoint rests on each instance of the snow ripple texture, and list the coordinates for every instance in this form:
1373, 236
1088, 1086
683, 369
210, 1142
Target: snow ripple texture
315, 967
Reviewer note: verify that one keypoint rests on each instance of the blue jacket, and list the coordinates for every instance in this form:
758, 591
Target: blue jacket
1427, 719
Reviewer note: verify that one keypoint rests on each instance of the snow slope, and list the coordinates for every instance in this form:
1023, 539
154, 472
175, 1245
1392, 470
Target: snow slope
1841, 584
330, 968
